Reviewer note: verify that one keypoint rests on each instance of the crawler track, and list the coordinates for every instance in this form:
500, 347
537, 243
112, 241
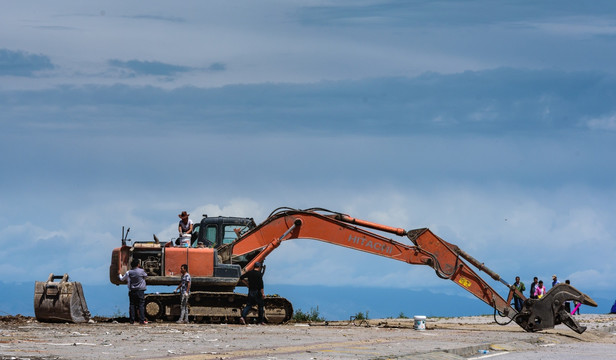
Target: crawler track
215, 307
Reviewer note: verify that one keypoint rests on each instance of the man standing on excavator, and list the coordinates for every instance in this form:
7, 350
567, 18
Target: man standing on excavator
256, 293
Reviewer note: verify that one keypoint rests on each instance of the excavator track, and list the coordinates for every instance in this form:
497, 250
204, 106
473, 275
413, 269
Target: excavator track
215, 308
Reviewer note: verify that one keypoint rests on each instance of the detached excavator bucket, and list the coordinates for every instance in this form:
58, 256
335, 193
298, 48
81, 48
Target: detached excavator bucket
549, 311
60, 301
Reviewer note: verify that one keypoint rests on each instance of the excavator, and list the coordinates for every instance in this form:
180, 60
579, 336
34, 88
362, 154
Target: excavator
222, 248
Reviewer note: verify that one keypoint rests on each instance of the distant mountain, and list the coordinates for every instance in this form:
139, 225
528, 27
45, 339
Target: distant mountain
333, 303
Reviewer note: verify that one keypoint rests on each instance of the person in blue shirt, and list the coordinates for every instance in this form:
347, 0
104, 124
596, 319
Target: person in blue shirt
555, 280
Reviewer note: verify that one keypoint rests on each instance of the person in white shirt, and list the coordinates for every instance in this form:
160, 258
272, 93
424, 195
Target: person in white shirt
185, 227
184, 289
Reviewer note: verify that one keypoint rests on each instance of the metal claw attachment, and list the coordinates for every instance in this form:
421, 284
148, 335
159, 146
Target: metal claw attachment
549, 311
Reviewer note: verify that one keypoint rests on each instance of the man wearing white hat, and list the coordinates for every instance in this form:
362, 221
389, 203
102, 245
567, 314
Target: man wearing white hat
555, 280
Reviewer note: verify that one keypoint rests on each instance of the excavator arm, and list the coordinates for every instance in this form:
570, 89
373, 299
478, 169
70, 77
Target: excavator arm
448, 260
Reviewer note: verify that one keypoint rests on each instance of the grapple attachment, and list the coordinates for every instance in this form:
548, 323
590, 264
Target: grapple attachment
60, 301
549, 311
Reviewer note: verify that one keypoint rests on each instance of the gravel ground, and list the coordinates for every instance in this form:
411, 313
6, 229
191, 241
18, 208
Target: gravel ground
444, 338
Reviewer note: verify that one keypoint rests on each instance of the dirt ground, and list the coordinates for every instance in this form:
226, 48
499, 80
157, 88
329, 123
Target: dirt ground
444, 338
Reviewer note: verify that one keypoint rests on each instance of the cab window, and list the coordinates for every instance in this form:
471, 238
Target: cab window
210, 235
233, 232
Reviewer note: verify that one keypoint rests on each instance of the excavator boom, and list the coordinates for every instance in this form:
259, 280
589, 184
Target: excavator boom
448, 260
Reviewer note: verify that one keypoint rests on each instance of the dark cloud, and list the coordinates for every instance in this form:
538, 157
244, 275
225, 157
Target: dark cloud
217, 67
158, 18
487, 102
445, 13
55, 27
20, 63
138, 67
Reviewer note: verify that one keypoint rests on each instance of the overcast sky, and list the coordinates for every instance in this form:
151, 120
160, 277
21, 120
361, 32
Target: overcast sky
492, 123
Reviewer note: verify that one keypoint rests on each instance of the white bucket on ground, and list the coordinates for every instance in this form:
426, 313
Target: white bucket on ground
420, 322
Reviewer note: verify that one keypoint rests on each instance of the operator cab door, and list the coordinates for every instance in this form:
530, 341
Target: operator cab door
194, 238
209, 235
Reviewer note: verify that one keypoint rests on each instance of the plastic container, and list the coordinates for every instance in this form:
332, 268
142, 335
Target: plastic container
185, 240
483, 351
420, 322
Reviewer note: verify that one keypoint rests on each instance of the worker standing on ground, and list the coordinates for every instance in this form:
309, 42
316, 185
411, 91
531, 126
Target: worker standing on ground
517, 301
568, 302
256, 293
539, 290
135, 278
532, 287
184, 289
555, 280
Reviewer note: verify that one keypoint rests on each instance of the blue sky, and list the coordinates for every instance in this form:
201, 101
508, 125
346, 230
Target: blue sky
493, 124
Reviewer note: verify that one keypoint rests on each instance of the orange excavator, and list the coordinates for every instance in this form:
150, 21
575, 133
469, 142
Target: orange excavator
222, 248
